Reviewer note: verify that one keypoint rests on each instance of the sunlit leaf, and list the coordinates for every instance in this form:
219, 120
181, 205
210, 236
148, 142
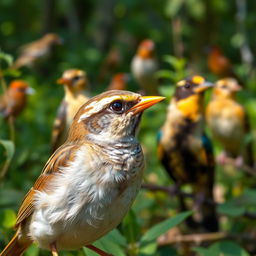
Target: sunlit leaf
161, 228
9, 147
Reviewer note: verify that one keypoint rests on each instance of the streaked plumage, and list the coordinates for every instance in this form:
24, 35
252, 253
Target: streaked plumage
75, 84
184, 149
14, 100
36, 51
228, 120
90, 182
144, 67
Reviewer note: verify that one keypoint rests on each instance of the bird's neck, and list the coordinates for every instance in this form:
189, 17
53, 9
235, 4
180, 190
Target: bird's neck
191, 108
70, 95
104, 141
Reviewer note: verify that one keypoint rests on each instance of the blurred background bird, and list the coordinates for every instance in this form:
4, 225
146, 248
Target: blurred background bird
119, 82
186, 152
14, 100
144, 67
37, 51
112, 61
219, 64
76, 87
229, 122
88, 184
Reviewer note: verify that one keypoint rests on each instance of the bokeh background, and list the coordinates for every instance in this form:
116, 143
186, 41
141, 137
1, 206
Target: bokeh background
91, 30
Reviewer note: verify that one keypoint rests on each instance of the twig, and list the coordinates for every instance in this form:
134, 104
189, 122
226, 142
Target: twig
246, 168
206, 237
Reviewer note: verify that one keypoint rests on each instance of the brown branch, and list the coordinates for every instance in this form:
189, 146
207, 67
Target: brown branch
206, 237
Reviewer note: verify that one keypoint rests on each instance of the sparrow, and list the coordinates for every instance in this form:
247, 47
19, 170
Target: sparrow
89, 183
76, 85
219, 64
119, 82
36, 51
144, 67
14, 100
186, 152
229, 122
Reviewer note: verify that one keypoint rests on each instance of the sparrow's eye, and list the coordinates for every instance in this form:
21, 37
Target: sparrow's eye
117, 106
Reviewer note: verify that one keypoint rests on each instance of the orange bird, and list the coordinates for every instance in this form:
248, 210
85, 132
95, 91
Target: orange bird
118, 82
219, 64
36, 51
144, 67
14, 100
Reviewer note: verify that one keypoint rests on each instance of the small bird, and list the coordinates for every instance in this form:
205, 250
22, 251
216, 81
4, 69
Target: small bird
89, 183
36, 51
219, 64
186, 152
144, 67
119, 82
229, 121
76, 86
14, 100
111, 62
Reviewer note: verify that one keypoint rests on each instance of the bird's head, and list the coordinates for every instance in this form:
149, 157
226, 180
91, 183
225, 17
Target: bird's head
52, 39
189, 95
74, 80
119, 81
110, 116
226, 88
20, 87
146, 49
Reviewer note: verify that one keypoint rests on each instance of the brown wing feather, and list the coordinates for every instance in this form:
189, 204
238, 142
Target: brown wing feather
59, 126
60, 158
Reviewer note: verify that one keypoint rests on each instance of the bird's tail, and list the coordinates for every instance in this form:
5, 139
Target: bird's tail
16, 246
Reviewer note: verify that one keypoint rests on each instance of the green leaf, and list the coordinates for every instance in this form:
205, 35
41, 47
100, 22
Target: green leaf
6, 57
130, 227
231, 209
225, 248
161, 228
9, 148
8, 218
148, 249
108, 245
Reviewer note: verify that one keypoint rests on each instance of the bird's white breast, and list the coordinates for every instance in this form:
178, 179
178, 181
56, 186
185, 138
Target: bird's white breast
89, 198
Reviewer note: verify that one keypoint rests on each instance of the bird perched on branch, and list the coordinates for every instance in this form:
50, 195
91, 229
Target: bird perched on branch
119, 82
186, 152
88, 184
229, 121
37, 51
14, 100
76, 85
219, 64
144, 67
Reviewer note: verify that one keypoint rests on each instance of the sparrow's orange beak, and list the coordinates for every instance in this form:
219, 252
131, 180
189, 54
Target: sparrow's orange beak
146, 102
64, 81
